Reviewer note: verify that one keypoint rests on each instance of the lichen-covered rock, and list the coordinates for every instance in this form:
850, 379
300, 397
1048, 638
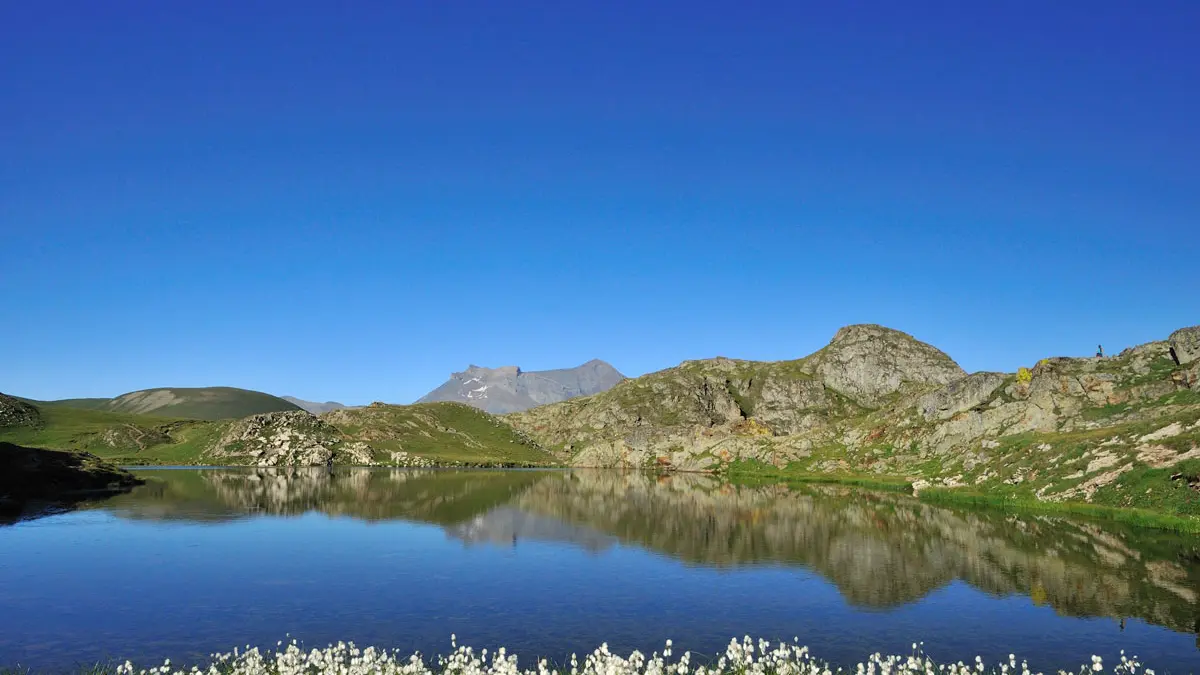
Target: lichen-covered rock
789, 406
1186, 343
17, 413
868, 363
960, 395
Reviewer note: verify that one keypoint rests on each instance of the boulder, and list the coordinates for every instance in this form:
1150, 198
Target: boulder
960, 395
1186, 343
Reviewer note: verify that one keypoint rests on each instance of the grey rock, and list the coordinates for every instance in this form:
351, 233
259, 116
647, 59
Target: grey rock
868, 363
510, 389
1186, 343
787, 405
960, 395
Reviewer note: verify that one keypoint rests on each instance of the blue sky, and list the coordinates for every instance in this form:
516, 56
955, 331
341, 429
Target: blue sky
351, 200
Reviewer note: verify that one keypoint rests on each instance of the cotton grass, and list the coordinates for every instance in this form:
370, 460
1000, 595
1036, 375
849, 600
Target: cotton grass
744, 657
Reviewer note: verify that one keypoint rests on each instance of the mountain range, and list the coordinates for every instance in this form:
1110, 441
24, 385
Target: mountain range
313, 406
510, 389
494, 390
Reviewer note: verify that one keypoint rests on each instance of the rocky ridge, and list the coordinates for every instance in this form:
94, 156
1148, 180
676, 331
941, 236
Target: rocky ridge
877, 401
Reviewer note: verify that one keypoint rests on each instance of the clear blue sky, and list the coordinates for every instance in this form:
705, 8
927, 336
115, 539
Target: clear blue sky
351, 200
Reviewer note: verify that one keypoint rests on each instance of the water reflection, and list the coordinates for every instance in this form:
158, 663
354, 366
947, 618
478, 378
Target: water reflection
881, 550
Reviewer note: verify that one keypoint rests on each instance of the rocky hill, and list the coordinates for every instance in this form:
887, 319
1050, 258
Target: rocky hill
510, 389
877, 401
203, 403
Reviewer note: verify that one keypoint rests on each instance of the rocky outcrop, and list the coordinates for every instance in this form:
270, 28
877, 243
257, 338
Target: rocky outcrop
960, 395
1186, 344
294, 438
17, 413
868, 363
510, 389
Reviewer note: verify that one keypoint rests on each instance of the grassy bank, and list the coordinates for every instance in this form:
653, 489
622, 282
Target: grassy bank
1130, 516
755, 473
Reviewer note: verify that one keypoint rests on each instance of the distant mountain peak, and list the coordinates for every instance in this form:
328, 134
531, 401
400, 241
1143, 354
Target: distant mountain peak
509, 389
314, 407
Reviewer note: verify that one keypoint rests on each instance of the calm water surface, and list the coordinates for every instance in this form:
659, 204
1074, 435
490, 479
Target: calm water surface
547, 563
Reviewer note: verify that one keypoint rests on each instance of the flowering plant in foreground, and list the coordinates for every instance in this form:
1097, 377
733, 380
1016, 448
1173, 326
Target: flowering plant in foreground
747, 657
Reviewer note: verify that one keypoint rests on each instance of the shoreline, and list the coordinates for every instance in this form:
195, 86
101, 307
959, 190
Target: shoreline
757, 476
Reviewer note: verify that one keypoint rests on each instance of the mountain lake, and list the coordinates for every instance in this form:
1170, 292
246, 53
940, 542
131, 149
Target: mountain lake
546, 563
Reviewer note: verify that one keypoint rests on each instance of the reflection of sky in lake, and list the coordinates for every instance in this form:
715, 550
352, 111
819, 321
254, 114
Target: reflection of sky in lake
90, 584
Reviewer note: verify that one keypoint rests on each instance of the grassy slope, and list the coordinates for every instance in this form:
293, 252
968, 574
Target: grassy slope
211, 403
84, 403
1160, 517
442, 431
200, 403
117, 437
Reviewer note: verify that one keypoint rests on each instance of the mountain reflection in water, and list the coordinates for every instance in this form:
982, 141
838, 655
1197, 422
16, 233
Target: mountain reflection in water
881, 550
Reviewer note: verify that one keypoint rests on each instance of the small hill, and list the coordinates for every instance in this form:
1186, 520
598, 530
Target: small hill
510, 389
444, 432
292, 438
313, 406
200, 403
